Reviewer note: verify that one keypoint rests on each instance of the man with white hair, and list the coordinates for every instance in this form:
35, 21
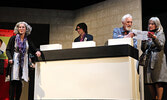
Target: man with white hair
125, 30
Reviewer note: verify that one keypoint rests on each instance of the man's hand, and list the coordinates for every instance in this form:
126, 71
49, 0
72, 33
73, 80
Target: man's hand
130, 35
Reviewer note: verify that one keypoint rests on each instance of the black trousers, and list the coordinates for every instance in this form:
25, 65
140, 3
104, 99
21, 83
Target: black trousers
1, 66
31, 84
15, 90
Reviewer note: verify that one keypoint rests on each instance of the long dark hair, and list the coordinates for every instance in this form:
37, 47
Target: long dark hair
1, 41
82, 26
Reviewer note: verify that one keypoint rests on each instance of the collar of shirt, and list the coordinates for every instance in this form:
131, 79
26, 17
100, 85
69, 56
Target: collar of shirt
82, 39
123, 31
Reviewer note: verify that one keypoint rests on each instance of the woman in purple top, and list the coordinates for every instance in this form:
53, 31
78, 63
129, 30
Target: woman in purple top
18, 50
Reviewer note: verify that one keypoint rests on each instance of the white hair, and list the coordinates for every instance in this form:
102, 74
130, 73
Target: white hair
28, 28
126, 16
157, 23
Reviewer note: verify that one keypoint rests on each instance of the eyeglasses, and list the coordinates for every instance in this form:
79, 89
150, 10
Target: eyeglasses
77, 29
151, 23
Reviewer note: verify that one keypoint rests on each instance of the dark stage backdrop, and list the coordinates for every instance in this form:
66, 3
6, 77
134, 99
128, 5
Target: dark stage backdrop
39, 34
163, 19
154, 8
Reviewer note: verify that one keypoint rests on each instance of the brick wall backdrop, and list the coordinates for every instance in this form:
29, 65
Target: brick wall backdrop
101, 19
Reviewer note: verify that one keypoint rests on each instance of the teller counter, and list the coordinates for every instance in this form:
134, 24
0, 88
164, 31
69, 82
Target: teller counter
104, 72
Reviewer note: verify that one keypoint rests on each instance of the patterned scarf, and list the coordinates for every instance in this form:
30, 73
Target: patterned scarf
21, 48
